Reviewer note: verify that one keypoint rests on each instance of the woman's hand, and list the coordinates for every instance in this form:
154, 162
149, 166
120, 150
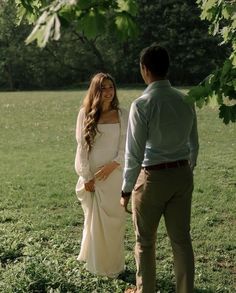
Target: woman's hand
89, 186
106, 170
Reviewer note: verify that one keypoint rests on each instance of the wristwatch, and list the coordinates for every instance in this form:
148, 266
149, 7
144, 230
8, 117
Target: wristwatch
125, 194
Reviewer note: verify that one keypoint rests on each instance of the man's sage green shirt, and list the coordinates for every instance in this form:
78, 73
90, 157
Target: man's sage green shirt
162, 128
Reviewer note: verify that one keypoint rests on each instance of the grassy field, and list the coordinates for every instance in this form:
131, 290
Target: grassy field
41, 220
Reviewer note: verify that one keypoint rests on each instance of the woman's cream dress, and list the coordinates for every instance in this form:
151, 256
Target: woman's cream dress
102, 246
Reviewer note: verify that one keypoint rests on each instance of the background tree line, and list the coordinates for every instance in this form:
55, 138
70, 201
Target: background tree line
74, 57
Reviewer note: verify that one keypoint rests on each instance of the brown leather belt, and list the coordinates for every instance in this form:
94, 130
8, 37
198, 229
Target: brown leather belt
167, 165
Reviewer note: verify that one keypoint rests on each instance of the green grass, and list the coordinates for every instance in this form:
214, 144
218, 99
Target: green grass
41, 220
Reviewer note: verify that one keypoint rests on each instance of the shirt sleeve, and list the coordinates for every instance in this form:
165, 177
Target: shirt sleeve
82, 166
120, 158
135, 145
193, 141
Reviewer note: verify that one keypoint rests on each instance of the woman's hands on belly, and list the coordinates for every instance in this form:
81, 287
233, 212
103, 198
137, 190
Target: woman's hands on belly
89, 186
106, 170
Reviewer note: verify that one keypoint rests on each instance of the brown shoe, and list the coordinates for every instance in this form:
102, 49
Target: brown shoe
131, 290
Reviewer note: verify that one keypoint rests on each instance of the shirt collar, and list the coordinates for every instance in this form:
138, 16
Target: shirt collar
158, 84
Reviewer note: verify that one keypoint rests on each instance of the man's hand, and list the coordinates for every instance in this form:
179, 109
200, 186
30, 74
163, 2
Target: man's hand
192, 166
124, 201
89, 186
106, 170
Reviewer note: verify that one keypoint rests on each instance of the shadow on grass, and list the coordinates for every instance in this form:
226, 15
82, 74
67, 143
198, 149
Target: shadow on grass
167, 286
9, 255
128, 276
163, 285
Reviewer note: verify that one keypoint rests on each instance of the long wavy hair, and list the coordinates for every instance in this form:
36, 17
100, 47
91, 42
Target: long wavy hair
93, 106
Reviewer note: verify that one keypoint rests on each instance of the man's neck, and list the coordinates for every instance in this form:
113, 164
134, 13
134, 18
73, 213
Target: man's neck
155, 78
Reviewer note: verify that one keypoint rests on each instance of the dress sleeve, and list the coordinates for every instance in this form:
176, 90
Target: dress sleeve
82, 166
120, 158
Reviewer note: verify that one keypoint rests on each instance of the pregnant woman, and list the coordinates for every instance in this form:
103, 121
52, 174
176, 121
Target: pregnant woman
100, 134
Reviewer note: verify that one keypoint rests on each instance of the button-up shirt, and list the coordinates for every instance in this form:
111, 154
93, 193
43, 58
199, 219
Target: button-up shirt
162, 128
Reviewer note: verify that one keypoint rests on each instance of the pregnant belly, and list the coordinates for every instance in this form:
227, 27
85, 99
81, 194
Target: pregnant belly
101, 157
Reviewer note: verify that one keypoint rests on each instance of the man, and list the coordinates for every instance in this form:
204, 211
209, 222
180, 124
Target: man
161, 153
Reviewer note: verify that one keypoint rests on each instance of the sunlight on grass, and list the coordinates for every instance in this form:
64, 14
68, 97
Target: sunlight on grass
41, 220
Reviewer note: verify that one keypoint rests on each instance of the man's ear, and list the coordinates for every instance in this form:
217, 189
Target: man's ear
147, 71
144, 68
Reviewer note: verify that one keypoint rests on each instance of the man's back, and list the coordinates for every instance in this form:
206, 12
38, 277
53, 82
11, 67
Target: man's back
168, 119
161, 152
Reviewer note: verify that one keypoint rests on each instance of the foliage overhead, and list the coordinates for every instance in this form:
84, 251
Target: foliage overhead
74, 58
219, 88
90, 17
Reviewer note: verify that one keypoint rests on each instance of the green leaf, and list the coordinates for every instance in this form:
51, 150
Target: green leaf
189, 99
21, 12
126, 27
233, 60
227, 113
47, 25
27, 5
209, 9
67, 13
234, 24
225, 72
57, 26
92, 24
216, 28
129, 6
84, 4
213, 101
225, 33
38, 29
197, 94
27, 10
225, 12
234, 84
47, 31
209, 4
214, 81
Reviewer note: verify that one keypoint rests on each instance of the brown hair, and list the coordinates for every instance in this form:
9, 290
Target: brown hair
93, 106
156, 59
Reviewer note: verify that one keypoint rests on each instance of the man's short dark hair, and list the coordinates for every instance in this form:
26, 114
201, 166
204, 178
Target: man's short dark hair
156, 59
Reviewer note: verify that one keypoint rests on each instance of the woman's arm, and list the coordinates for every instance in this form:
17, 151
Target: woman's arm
82, 166
118, 161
